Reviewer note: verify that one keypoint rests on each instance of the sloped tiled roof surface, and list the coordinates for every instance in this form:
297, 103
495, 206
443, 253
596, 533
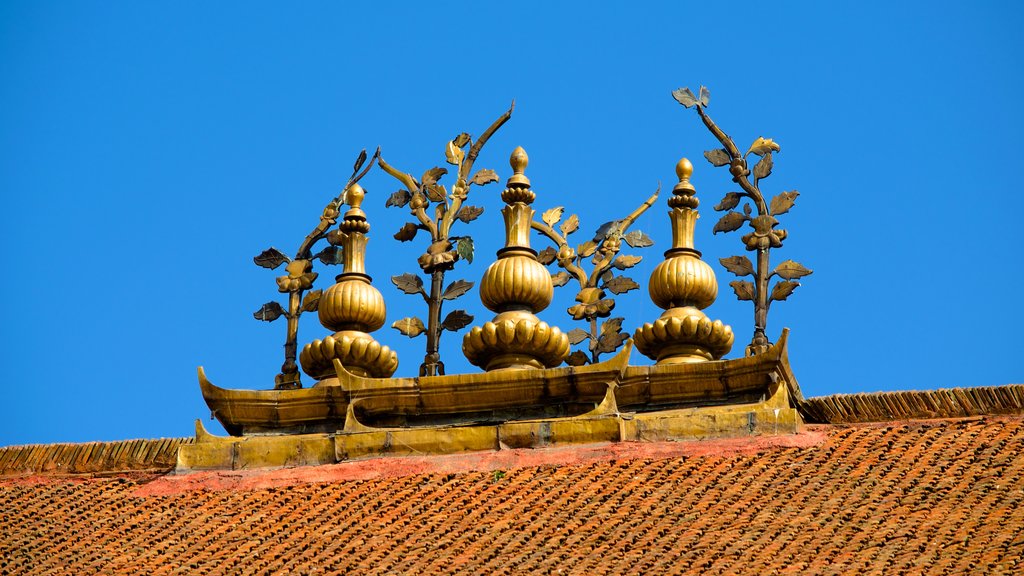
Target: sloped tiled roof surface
902, 405
944, 497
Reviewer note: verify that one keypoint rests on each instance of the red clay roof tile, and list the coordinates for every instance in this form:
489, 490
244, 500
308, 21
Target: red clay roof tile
943, 497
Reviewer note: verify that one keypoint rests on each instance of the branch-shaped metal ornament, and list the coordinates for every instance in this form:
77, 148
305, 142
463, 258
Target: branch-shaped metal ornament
300, 276
603, 251
428, 196
764, 236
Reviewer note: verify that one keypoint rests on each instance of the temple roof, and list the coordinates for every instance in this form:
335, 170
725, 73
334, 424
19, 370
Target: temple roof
936, 496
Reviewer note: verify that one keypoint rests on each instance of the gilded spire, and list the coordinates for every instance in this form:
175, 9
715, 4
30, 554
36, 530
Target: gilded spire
351, 308
683, 285
516, 286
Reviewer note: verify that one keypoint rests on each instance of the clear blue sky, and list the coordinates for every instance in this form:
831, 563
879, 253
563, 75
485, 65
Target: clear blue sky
149, 150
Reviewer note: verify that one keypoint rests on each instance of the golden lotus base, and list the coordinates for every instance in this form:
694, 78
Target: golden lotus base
605, 423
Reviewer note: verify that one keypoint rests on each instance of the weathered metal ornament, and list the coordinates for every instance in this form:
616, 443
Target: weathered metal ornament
683, 285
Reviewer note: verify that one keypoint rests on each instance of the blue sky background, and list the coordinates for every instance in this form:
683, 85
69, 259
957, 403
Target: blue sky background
149, 150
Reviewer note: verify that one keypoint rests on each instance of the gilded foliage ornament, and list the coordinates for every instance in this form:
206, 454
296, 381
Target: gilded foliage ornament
435, 209
592, 299
764, 235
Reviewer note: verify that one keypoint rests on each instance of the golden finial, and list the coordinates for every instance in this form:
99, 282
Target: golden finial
354, 198
519, 160
518, 187
516, 286
351, 308
684, 169
683, 285
683, 193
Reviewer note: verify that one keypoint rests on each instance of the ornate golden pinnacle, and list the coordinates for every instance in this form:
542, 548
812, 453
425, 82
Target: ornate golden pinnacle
516, 286
683, 285
351, 308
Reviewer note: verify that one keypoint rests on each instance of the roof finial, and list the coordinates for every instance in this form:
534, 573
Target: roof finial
354, 198
519, 161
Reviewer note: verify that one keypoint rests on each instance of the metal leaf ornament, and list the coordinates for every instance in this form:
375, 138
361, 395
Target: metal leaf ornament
592, 299
765, 236
435, 210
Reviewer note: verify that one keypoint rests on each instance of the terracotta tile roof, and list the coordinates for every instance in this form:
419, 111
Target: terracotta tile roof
91, 457
889, 406
940, 497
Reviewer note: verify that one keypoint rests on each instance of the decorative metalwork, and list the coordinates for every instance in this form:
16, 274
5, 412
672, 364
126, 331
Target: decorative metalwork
351, 308
444, 250
516, 287
603, 252
300, 276
683, 285
764, 236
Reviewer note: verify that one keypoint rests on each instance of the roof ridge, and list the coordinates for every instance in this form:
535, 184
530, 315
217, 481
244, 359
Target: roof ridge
89, 457
915, 404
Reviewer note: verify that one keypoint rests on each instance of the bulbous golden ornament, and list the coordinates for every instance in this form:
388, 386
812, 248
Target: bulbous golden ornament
352, 304
682, 285
683, 280
515, 340
358, 352
518, 281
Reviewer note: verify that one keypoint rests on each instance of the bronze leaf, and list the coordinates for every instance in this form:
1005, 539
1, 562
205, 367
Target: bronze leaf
782, 202
685, 97
744, 290
764, 166
432, 176
610, 341
792, 270
763, 146
624, 261
408, 283
407, 232
731, 200
469, 213
311, 301
411, 326
586, 249
331, 255
484, 177
577, 358
560, 278
436, 192
269, 312
620, 285
571, 224
456, 320
399, 198
577, 335
607, 229
360, 160
465, 248
718, 156
731, 221
738, 265
456, 289
547, 256
638, 239
270, 258
705, 95
453, 153
782, 290
611, 325
461, 140
552, 216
